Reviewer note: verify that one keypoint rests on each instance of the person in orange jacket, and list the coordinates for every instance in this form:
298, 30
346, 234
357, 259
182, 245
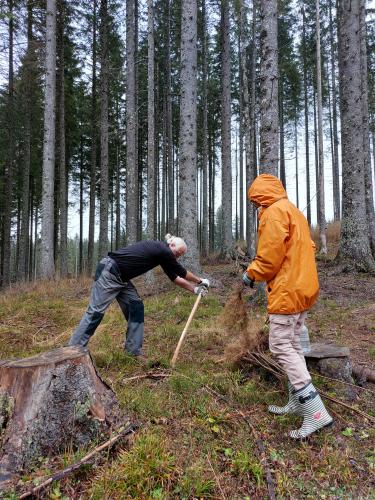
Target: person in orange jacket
285, 260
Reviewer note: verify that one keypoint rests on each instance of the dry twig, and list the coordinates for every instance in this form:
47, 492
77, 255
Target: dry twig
130, 429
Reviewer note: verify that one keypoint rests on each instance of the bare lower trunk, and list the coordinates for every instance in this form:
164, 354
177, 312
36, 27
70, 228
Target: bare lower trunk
335, 156
354, 246
188, 133
250, 135
23, 265
369, 193
320, 187
91, 242
47, 241
306, 116
269, 114
226, 166
62, 157
104, 187
131, 125
205, 135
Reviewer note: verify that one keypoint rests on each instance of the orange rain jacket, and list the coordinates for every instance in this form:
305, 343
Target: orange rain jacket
285, 256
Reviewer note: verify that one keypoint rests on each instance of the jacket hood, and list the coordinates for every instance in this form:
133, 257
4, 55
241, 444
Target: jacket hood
266, 190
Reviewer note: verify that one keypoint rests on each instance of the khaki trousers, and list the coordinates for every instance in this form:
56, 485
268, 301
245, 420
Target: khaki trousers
285, 344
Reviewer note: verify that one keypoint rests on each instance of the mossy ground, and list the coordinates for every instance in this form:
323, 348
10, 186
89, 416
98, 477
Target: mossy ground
193, 443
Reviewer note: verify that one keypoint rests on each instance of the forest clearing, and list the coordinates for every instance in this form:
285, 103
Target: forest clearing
194, 440
230, 147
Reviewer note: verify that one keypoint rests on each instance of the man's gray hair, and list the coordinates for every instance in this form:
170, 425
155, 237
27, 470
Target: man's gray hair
179, 243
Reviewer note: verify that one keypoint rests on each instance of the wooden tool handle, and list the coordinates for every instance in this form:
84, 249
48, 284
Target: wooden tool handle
183, 334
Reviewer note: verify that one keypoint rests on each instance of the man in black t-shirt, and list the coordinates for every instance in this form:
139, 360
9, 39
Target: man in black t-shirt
112, 281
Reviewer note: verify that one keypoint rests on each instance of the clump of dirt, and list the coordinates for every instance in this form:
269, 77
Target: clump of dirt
249, 330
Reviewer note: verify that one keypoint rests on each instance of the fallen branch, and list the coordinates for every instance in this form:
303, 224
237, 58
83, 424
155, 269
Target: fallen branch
364, 374
130, 429
351, 408
342, 382
154, 375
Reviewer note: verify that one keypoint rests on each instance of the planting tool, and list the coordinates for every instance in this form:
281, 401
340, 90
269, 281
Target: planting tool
183, 334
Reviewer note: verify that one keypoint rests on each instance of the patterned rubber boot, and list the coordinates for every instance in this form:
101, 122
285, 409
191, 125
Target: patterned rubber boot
315, 415
291, 407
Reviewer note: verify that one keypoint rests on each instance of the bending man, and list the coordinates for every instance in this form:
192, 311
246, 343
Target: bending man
112, 281
285, 260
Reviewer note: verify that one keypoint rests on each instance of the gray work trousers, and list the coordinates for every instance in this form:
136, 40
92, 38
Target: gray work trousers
108, 286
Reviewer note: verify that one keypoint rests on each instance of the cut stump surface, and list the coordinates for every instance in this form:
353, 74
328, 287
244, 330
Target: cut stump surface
50, 402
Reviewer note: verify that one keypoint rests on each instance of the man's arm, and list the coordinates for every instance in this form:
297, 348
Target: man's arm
187, 281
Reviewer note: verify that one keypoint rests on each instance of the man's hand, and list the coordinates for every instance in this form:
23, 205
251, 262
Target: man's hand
204, 282
247, 281
201, 290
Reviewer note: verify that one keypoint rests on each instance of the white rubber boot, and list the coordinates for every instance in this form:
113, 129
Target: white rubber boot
291, 407
315, 415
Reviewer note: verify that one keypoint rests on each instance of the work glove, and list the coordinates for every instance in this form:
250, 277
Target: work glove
204, 282
247, 281
201, 290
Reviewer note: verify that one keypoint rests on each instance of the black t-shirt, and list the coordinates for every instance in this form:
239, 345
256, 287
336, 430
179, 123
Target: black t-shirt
140, 257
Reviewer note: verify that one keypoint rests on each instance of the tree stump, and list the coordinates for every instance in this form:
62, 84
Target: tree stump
50, 402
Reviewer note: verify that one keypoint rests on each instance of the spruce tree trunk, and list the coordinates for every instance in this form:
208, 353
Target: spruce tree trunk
296, 154
188, 218
47, 239
104, 187
9, 165
25, 223
170, 225
369, 194
320, 186
205, 221
306, 116
282, 136
249, 115
151, 124
241, 54
269, 113
93, 125
354, 249
63, 198
226, 166
335, 156
131, 125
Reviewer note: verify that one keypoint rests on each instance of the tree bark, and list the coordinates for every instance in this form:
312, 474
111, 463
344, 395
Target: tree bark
48, 402
250, 134
269, 113
188, 218
369, 193
335, 156
9, 165
354, 248
320, 187
204, 222
93, 125
23, 264
226, 165
47, 240
131, 125
306, 116
104, 187
63, 198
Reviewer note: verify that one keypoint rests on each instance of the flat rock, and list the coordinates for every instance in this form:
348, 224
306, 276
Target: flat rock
319, 350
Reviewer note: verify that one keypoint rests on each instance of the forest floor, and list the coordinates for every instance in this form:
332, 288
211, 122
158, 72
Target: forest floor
195, 440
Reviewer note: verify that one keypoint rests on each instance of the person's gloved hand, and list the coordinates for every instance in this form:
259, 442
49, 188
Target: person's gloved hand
204, 282
201, 290
247, 281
